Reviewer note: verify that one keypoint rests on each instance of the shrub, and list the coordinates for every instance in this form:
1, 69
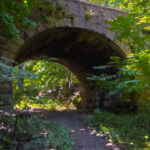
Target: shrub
130, 130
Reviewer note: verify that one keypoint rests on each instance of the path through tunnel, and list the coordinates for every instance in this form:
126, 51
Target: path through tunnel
77, 49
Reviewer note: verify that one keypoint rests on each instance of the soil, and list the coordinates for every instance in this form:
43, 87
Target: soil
84, 139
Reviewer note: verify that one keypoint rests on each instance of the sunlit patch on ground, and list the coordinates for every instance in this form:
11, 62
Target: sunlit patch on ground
57, 107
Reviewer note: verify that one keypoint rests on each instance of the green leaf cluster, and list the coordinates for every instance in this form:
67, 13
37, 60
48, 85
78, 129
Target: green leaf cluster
132, 76
130, 131
49, 74
13, 14
50, 84
132, 80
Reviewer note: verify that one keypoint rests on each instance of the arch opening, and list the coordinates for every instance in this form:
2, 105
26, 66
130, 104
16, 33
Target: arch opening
46, 84
78, 50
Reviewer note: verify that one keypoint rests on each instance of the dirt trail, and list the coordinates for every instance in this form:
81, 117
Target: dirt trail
83, 138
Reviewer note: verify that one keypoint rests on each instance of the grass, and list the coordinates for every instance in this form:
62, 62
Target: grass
130, 130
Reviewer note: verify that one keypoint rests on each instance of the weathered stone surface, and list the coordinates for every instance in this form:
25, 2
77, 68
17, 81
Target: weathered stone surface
5, 95
77, 42
5, 88
78, 9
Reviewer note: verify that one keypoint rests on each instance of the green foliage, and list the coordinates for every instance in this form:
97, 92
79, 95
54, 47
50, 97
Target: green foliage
20, 90
130, 131
120, 4
27, 131
129, 32
24, 130
49, 74
6, 70
12, 14
15, 75
139, 9
89, 14
9, 73
51, 82
131, 80
39, 77
61, 137
77, 101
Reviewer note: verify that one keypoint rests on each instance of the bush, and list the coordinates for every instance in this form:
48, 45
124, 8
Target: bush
131, 130
27, 131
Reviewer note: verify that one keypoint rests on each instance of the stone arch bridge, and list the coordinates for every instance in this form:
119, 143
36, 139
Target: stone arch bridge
78, 38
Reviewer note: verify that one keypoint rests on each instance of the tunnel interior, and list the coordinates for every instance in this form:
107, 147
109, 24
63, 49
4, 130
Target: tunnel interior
77, 49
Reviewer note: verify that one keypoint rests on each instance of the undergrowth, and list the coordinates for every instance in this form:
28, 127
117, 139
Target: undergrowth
129, 130
28, 131
48, 104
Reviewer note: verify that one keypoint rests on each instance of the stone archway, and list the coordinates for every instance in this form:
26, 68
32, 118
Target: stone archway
78, 43
77, 49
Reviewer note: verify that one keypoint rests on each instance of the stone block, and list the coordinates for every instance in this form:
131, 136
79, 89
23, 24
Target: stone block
5, 100
6, 88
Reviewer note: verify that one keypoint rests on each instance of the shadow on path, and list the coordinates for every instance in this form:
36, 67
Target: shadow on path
83, 138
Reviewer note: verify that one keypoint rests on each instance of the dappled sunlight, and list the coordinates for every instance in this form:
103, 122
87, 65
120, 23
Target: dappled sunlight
76, 124
29, 128
127, 130
92, 132
33, 107
49, 86
82, 129
72, 131
87, 135
84, 138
